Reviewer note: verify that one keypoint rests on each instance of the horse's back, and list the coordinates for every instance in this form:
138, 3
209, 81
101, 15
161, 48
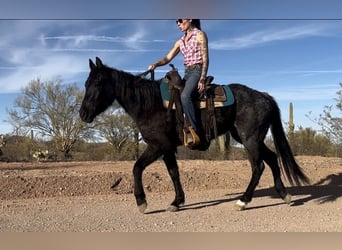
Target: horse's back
253, 106
244, 93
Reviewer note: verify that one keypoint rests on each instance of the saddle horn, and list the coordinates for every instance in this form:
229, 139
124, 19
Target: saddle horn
173, 67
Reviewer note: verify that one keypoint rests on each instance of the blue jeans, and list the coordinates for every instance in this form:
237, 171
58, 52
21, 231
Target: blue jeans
190, 94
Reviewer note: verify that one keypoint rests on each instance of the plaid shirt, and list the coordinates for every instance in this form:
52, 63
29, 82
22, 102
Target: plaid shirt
191, 49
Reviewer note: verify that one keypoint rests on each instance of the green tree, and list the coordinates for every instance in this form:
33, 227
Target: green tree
51, 110
308, 142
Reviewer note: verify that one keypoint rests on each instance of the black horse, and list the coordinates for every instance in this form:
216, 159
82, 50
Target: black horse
248, 121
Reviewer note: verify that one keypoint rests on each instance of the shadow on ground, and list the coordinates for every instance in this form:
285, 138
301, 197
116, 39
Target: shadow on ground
328, 189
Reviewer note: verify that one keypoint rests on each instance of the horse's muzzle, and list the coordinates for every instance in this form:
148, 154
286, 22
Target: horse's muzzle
85, 116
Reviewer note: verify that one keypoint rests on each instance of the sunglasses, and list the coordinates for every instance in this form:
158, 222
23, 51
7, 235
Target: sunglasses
179, 21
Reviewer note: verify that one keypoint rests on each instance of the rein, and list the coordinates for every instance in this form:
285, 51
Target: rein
144, 74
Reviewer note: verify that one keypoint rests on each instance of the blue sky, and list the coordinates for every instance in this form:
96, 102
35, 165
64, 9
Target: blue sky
298, 61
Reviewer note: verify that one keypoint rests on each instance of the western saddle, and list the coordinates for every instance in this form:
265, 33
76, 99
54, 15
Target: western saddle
176, 85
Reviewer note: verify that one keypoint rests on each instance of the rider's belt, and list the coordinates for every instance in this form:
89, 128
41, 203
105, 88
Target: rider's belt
190, 67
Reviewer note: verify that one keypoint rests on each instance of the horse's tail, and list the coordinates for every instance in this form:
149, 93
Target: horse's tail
293, 171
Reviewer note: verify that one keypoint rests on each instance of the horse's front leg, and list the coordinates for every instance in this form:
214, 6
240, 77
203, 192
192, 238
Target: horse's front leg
172, 167
149, 156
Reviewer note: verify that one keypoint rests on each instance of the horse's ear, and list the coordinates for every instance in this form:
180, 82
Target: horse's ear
92, 66
99, 62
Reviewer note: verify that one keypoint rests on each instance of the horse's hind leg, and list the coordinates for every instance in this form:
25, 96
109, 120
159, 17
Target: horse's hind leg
271, 159
172, 167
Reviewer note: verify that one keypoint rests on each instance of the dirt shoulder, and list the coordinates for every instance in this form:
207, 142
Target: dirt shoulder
97, 196
57, 179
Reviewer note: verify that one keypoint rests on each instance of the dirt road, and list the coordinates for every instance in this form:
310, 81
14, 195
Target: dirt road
70, 197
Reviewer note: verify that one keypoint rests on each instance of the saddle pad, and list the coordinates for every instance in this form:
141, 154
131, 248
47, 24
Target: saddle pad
164, 90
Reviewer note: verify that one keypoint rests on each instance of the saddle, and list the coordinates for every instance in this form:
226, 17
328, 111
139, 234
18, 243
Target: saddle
211, 94
214, 91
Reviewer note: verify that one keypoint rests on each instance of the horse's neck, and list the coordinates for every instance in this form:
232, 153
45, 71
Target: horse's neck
137, 96
123, 87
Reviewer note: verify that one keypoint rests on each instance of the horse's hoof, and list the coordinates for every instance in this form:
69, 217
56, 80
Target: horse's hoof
240, 205
142, 207
172, 208
287, 199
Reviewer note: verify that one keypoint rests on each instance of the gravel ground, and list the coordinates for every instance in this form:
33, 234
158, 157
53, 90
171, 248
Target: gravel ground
77, 197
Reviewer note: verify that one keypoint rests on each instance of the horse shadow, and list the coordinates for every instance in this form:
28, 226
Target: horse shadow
328, 189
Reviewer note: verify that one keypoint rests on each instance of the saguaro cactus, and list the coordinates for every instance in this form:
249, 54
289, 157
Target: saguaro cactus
2, 143
291, 124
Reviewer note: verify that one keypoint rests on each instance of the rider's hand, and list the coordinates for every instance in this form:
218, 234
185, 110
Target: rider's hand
151, 67
200, 87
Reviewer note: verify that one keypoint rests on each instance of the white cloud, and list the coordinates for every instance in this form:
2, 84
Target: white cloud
259, 38
136, 36
47, 69
81, 39
305, 93
46, 50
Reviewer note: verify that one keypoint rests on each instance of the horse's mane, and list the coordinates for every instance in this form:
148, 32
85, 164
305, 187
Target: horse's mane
142, 94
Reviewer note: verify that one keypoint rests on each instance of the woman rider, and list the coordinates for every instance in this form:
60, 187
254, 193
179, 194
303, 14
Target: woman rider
194, 47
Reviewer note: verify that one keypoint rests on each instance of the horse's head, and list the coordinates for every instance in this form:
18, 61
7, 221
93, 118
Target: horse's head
99, 91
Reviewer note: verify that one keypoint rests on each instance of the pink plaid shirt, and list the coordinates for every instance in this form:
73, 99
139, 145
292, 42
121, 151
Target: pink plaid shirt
191, 49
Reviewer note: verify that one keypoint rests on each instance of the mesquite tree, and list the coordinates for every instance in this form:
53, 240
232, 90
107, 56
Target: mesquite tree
331, 122
51, 109
116, 127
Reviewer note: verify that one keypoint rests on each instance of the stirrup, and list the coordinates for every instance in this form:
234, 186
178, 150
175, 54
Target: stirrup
194, 139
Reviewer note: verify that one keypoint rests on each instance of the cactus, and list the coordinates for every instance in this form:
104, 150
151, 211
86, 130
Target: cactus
2, 143
291, 124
